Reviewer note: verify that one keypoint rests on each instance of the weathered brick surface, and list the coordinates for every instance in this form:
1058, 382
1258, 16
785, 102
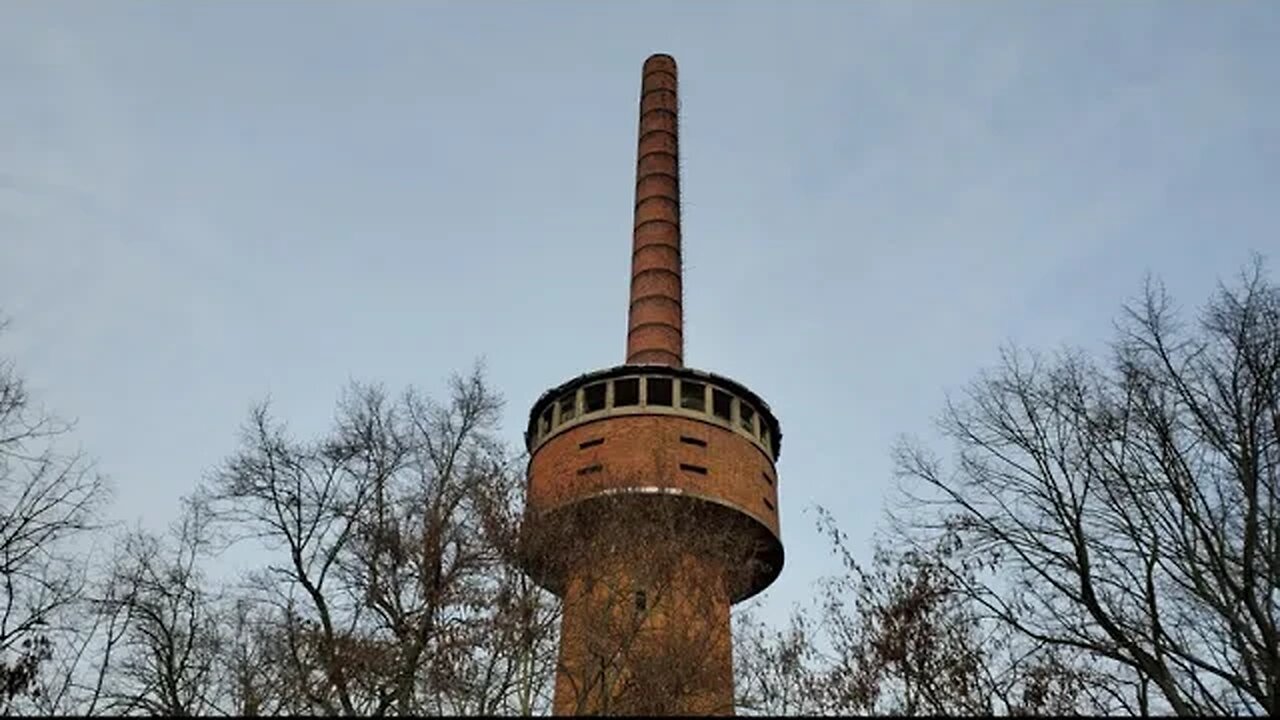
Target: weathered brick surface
657, 282
654, 330
688, 615
646, 451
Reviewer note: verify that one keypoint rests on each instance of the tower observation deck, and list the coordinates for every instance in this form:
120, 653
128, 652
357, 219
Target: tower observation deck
652, 497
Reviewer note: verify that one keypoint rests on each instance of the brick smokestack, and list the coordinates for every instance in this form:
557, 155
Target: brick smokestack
656, 318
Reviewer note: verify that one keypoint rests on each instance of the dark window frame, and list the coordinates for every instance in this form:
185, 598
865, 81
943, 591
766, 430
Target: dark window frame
668, 392
572, 400
716, 395
601, 392
687, 395
631, 396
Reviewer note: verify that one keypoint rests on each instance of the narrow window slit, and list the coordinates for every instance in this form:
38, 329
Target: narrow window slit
766, 477
693, 441
590, 443
591, 469
768, 504
693, 468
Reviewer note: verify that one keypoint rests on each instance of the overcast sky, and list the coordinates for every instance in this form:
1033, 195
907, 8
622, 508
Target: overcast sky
205, 203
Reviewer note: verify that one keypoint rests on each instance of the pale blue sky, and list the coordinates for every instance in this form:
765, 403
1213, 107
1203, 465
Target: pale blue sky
203, 203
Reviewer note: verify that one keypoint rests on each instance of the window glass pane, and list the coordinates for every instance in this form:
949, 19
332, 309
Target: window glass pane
747, 417
593, 398
693, 396
545, 421
659, 391
721, 402
626, 392
567, 409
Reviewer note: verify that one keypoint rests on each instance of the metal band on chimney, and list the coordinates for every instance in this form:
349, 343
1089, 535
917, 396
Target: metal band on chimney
655, 328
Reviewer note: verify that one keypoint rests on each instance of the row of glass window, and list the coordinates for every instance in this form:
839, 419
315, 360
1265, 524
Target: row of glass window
669, 392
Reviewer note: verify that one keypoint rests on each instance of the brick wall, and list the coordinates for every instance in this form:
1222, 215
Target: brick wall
646, 450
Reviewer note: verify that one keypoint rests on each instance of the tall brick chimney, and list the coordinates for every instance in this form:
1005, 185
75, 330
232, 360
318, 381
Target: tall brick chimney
655, 323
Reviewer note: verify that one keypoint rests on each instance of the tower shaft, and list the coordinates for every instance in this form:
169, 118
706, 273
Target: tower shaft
655, 328
645, 629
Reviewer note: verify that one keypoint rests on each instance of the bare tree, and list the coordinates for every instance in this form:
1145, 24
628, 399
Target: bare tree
778, 671
903, 642
167, 657
395, 594
1129, 511
48, 502
514, 660
900, 637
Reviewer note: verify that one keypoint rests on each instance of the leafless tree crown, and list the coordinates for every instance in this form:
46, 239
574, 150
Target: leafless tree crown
1129, 509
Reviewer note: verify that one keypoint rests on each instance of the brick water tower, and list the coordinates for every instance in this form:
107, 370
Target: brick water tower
652, 486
